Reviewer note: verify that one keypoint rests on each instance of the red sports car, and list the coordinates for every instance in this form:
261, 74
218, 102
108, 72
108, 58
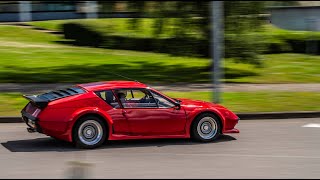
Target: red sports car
89, 114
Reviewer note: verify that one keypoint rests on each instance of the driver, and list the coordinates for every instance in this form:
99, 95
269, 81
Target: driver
122, 96
147, 97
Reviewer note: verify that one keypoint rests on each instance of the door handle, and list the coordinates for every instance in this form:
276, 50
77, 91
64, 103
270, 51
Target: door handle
124, 112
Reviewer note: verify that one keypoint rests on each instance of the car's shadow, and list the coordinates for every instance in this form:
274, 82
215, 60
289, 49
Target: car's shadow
50, 144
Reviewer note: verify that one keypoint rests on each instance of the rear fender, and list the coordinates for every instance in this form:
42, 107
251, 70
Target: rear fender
88, 110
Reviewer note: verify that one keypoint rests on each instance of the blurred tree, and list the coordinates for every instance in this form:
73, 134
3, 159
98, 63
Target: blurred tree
241, 21
282, 3
107, 7
158, 14
137, 7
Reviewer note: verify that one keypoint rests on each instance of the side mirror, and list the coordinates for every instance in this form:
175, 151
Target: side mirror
177, 106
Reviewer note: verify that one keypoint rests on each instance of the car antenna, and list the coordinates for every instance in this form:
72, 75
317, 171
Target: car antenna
123, 76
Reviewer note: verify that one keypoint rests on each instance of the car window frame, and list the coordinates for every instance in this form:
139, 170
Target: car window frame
159, 94
122, 107
119, 104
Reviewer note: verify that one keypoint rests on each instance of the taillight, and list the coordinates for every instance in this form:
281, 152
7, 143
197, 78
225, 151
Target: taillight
32, 109
36, 112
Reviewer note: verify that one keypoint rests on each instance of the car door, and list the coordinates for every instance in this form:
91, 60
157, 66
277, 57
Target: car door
145, 116
120, 123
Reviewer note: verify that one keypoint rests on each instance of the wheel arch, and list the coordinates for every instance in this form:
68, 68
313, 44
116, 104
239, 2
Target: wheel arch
221, 123
106, 122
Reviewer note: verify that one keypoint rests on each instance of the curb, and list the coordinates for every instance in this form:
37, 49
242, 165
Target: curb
242, 116
279, 115
11, 120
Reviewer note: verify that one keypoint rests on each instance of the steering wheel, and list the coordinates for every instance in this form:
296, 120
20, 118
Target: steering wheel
143, 100
157, 101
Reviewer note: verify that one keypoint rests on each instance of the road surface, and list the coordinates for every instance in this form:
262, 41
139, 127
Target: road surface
286, 148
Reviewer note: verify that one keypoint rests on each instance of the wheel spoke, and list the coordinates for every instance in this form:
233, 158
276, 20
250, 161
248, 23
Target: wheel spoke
207, 128
90, 132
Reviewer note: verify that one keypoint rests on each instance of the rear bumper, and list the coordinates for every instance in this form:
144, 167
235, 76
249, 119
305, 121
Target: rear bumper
31, 122
51, 128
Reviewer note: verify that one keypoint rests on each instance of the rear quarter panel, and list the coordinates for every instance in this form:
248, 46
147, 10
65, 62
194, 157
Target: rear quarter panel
60, 115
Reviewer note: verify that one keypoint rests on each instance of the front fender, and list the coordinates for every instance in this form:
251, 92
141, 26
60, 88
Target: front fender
193, 114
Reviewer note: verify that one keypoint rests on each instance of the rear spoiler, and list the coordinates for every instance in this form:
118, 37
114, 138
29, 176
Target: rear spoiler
36, 100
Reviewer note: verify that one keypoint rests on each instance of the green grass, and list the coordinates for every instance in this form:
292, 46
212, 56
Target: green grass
240, 102
260, 101
284, 68
31, 56
12, 34
54, 25
26, 61
11, 104
273, 30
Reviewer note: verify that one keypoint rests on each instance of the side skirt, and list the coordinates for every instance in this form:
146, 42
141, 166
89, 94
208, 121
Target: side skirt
123, 137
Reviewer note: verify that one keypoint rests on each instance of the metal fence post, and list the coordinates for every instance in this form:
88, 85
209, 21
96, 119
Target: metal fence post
91, 9
25, 11
217, 46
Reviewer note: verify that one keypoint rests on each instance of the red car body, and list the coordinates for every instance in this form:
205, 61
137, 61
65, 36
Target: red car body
58, 117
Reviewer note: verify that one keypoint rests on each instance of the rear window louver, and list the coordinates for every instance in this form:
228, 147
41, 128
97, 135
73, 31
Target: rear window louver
61, 93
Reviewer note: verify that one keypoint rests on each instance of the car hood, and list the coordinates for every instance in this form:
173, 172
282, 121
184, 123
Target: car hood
189, 103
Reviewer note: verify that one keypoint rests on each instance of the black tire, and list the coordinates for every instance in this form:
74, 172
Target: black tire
92, 124
210, 119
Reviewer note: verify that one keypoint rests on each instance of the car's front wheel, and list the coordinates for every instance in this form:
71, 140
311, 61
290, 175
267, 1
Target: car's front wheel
89, 132
205, 128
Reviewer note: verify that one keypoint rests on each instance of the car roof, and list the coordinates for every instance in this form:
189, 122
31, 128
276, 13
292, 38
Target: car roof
104, 85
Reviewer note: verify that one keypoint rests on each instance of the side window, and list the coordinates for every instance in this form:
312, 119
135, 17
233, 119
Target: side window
109, 98
137, 94
135, 98
162, 101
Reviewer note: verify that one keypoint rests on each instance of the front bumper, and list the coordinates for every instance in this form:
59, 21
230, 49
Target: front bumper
32, 122
230, 126
234, 130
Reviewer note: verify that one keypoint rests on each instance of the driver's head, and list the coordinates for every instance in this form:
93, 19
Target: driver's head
122, 94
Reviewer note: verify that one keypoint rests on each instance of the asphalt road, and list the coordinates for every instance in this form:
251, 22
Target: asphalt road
263, 149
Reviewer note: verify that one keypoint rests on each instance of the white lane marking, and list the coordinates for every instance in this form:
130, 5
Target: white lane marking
220, 155
254, 155
312, 125
225, 155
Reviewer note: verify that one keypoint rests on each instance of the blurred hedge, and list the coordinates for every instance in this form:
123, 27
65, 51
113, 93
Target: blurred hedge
286, 41
89, 36
244, 47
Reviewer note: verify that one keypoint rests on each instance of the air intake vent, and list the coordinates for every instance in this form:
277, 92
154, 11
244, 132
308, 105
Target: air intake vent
61, 93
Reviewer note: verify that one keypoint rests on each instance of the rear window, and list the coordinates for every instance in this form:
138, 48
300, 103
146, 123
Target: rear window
61, 93
108, 97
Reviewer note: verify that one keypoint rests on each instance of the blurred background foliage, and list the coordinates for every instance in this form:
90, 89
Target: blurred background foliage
183, 28
164, 42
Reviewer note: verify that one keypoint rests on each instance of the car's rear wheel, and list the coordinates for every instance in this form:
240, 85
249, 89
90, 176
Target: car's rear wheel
205, 128
89, 132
